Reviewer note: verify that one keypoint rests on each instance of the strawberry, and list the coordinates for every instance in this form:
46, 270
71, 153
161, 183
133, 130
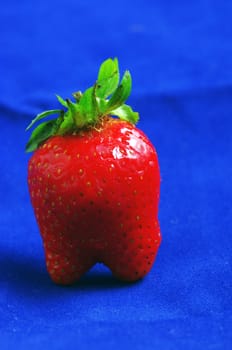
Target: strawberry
94, 183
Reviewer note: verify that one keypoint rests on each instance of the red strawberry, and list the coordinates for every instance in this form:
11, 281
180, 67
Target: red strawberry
94, 184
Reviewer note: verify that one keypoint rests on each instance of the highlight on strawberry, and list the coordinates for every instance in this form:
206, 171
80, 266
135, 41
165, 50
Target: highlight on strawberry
94, 183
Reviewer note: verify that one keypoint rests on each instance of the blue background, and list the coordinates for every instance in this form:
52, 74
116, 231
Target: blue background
179, 54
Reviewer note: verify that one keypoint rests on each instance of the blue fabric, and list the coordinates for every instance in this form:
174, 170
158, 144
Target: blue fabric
179, 54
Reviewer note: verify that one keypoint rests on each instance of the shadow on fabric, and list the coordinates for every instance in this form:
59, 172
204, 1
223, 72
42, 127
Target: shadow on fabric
28, 274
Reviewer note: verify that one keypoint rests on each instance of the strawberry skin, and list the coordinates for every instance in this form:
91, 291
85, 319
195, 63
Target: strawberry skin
95, 196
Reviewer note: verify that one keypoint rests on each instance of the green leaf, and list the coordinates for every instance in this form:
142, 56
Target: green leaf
106, 96
125, 112
101, 106
88, 106
108, 78
121, 93
67, 125
42, 133
43, 115
62, 101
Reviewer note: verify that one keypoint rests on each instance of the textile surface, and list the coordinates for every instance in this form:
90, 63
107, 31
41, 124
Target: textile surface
179, 55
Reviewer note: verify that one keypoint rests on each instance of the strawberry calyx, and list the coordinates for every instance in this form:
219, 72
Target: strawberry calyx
106, 97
